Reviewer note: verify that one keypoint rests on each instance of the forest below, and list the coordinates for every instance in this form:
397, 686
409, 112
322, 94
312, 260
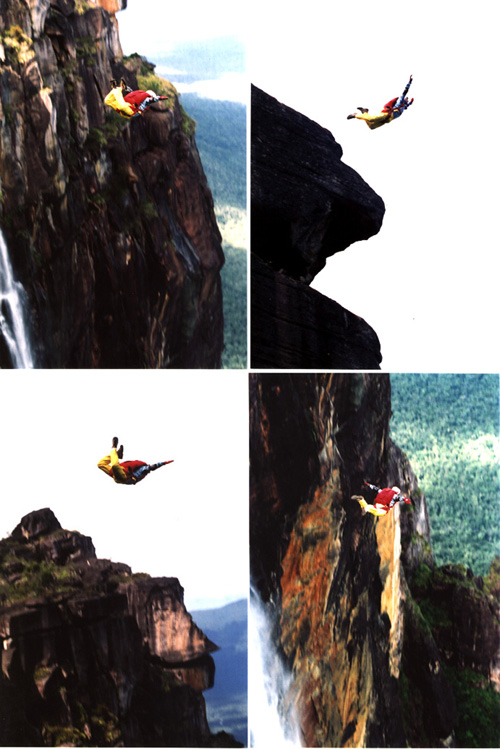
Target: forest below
221, 141
448, 426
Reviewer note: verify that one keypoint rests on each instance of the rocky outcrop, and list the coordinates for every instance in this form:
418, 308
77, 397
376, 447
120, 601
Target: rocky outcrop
350, 621
465, 614
302, 329
92, 654
110, 223
306, 205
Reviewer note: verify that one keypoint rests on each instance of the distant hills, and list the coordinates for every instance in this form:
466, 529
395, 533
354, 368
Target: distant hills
227, 701
193, 60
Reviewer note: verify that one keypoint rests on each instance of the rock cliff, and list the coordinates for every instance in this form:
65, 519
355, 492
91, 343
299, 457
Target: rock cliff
306, 205
93, 655
350, 597
109, 222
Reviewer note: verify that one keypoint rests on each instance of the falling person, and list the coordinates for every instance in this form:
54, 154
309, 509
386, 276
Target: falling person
391, 111
128, 472
130, 103
384, 501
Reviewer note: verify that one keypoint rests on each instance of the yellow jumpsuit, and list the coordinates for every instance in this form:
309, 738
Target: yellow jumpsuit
375, 120
115, 100
376, 509
110, 464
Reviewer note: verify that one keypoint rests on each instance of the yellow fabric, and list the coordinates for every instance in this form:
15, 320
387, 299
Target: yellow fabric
115, 100
375, 120
110, 464
371, 508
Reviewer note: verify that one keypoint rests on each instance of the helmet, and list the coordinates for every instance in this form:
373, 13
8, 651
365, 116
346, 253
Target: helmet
407, 500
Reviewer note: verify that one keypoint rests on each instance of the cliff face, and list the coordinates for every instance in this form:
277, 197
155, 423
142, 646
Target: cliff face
91, 654
338, 584
306, 206
109, 222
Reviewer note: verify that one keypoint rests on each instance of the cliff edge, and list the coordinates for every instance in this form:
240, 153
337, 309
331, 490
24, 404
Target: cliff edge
109, 222
93, 655
375, 636
306, 205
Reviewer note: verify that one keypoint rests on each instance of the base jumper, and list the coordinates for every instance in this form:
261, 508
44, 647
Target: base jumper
130, 103
391, 111
384, 501
128, 472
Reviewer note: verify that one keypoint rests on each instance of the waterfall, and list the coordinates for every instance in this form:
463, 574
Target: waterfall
13, 328
268, 684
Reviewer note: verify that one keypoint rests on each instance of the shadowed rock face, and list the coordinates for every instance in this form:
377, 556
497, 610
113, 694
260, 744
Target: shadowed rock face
341, 587
109, 223
91, 653
302, 329
306, 205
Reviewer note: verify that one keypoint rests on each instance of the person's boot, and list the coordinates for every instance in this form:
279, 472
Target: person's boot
357, 498
363, 110
120, 452
115, 442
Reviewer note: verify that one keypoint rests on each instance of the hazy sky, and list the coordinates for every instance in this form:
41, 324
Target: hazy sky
187, 519
155, 27
161, 23
427, 282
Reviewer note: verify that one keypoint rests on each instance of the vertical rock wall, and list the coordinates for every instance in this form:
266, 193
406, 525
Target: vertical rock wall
334, 579
109, 222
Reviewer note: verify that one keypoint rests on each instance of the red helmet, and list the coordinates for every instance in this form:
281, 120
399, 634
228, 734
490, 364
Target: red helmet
407, 500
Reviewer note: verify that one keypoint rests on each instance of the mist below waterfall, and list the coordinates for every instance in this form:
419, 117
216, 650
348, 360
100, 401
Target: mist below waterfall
13, 327
268, 685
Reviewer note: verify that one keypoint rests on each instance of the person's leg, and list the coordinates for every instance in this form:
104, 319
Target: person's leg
118, 473
373, 510
369, 508
115, 100
105, 465
373, 120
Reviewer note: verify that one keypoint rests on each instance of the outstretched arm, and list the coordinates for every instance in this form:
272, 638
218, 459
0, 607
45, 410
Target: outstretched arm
407, 87
401, 104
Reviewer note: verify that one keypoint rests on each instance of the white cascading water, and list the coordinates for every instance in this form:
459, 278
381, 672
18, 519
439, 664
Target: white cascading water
13, 327
268, 682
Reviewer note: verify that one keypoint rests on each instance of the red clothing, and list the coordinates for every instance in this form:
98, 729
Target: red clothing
384, 496
387, 107
136, 97
130, 465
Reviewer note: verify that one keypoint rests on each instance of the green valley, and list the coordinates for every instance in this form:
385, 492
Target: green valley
221, 141
448, 425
